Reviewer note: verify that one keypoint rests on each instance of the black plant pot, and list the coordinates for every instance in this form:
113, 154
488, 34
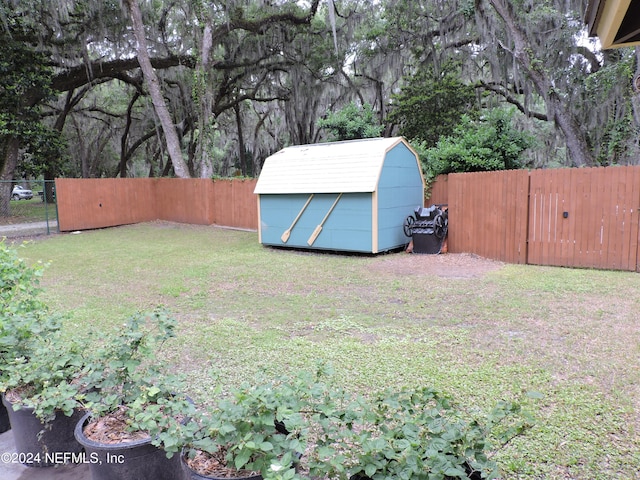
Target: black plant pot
5, 424
43, 445
137, 460
190, 474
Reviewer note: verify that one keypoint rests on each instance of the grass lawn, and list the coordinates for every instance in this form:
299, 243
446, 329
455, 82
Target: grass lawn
479, 330
24, 211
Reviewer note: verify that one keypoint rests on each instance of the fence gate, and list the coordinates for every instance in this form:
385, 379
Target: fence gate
584, 217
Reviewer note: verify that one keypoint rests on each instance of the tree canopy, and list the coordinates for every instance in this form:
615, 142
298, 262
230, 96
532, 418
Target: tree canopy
96, 88
430, 106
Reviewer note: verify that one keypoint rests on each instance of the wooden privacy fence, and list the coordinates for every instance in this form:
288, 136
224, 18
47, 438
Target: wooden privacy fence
585, 217
97, 203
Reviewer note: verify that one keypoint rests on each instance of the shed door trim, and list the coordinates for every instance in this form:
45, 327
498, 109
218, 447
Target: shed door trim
374, 222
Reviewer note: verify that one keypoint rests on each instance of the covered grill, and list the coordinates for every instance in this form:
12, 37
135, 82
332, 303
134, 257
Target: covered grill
427, 228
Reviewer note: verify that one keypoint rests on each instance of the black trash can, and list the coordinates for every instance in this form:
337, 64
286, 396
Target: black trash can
428, 229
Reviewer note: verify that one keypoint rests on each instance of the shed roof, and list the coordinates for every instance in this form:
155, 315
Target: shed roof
349, 166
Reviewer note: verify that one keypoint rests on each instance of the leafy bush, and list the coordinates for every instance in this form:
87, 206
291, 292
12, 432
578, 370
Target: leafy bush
414, 434
44, 370
127, 379
490, 143
397, 434
19, 283
261, 426
351, 122
23, 316
38, 365
49, 379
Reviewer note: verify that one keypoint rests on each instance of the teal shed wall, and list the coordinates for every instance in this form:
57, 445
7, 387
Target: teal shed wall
347, 228
400, 191
367, 222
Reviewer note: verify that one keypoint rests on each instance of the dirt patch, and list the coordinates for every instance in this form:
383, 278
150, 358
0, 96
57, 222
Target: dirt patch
447, 265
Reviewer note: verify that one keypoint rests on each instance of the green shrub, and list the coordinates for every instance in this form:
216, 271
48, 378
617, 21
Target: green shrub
408, 433
489, 143
128, 379
38, 365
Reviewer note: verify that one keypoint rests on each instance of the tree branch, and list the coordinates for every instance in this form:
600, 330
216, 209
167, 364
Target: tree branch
237, 21
504, 93
78, 76
590, 57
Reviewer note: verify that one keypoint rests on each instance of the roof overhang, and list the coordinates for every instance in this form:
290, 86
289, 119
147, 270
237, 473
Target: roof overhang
615, 22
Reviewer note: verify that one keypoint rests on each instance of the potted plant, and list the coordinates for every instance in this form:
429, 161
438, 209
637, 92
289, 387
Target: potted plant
34, 360
132, 400
40, 394
413, 433
256, 430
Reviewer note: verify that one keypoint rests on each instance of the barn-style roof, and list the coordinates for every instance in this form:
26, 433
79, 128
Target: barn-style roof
337, 167
615, 22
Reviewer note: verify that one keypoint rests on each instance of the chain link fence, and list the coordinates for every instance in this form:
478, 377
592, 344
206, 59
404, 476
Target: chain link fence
28, 208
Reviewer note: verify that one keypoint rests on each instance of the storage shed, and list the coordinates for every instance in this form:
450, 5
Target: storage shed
342, 196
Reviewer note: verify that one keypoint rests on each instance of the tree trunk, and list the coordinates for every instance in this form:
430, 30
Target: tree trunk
151, 79
635, 102
9, 165
84, 155
122, 169
52, 168
577, 145
241, 148
206, 103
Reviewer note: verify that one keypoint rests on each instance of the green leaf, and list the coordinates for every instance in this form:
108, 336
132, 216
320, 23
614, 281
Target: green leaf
153, 391
227, 428
325, 452
266, 446
455, 472
370, 470
242, 459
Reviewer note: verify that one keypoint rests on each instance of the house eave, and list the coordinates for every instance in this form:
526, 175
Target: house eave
615, 22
